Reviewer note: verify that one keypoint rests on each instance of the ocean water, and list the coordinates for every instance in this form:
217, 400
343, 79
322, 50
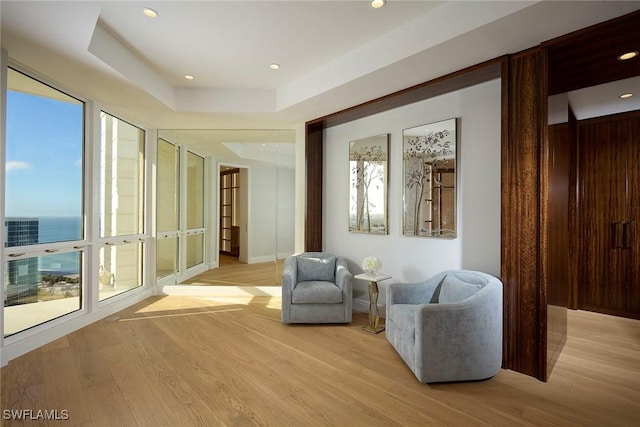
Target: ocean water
59, 229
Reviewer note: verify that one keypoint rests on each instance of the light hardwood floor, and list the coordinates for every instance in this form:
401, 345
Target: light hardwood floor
184, 361
231, 272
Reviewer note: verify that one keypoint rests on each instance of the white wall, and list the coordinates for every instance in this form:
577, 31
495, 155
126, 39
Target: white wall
264, 241
417, 258
286, 212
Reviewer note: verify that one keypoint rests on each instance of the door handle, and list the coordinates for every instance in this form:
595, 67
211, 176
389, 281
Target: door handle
628, 234
617, 235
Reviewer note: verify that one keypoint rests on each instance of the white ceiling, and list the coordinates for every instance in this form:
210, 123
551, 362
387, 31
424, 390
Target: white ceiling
334, 54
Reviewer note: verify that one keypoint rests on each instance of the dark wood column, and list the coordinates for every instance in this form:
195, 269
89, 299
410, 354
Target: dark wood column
524, 212
313, 163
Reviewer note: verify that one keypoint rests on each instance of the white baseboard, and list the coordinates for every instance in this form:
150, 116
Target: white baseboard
283, 255
268, 258
263, 258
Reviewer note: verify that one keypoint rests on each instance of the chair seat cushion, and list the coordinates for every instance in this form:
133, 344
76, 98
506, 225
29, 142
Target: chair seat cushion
404, 316
316, 292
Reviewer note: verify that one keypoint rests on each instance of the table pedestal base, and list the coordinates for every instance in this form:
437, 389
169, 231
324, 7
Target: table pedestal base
373, 330
374, 316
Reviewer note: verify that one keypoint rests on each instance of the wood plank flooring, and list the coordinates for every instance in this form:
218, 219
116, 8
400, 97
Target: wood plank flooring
184, 361
234, 273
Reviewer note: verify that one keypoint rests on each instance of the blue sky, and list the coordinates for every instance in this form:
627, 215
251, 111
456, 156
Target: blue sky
43, 156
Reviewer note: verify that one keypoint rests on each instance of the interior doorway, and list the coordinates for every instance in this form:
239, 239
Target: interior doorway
229, 225
233, 213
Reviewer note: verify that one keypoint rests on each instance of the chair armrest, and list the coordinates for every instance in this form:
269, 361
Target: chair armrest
344, 278
411, 293
289, 277
446, 330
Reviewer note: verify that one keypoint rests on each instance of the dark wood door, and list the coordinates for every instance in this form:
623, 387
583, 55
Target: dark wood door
608, 213
632, 237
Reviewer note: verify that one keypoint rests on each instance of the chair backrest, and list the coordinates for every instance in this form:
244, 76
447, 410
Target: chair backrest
458, 285
317, 266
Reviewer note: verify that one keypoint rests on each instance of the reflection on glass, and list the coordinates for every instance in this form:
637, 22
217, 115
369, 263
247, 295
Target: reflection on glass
166, 257
429, 163
167, 187
121, 177
120, 269
368, 160
195, 244
167, 217
195, 191
39, 289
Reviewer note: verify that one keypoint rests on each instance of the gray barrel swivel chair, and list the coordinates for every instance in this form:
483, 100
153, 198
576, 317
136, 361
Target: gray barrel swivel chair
449, 327
317, 287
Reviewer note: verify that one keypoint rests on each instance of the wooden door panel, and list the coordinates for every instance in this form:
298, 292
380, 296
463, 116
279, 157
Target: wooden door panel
633, 227
602, 203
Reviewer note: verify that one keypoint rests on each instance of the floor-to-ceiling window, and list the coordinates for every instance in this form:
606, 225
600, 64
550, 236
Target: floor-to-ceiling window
44, 235
121, 207
73, 202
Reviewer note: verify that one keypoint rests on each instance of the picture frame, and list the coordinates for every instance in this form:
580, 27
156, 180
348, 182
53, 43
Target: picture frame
429, 158
368, 176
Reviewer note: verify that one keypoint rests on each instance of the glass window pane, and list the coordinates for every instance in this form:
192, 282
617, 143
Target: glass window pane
167, 187
195, 191
39, 289
195, 249
167, 255
120, 269
121, 177
42, 124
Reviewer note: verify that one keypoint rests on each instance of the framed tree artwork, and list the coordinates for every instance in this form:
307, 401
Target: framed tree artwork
368, 172
430, 179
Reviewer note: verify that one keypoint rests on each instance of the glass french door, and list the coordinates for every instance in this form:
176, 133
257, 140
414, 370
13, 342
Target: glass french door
167, 210
194, 204
180, 213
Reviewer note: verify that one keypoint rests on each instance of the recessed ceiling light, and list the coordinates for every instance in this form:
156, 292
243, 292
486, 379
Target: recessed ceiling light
628, 55
188, 77
149, 13
377, 4
626, 95
274, 66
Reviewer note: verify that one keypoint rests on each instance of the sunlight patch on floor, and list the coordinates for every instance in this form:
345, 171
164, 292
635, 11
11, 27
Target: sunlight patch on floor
159, 316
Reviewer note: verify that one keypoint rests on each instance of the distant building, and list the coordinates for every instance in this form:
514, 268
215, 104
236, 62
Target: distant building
21, 279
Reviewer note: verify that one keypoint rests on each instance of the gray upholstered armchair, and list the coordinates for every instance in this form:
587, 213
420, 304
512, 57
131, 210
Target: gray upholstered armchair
449, 327
317, 287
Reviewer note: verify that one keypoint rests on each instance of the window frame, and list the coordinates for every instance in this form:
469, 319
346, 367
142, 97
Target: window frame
142, 237
91, 309
13, 253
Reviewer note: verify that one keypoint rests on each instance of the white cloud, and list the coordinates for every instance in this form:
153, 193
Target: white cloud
15, 165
